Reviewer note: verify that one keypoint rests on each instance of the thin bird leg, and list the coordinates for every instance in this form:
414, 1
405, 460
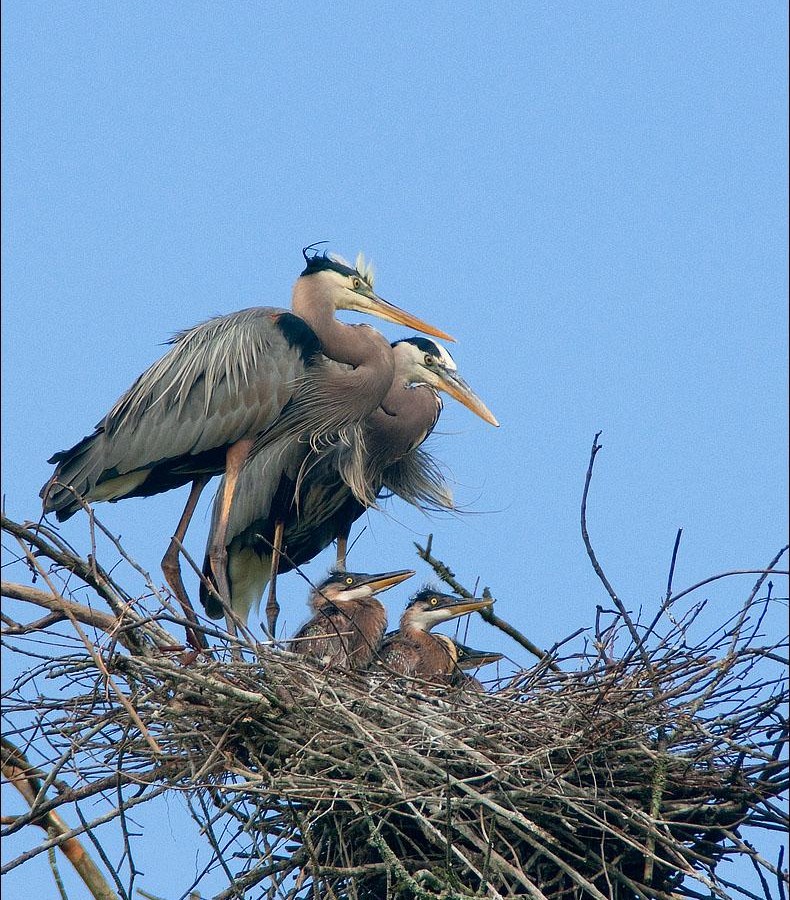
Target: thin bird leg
171, 566
342, 548
272, 606
235, 458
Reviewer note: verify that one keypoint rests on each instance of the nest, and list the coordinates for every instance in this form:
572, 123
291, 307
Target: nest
597, 774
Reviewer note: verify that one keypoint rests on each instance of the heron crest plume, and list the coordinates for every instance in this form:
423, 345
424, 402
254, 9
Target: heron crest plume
318, 262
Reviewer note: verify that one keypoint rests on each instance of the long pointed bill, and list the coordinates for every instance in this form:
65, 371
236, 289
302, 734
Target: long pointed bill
459, 390
378, 583
455, 606
374, 305
469, 658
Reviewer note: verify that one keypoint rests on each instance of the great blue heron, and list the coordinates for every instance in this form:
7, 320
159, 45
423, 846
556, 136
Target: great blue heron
467, 659
412, 650
348, 621
198, 410
301, 503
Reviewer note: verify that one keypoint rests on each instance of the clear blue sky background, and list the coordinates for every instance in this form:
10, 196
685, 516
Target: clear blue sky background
590, 197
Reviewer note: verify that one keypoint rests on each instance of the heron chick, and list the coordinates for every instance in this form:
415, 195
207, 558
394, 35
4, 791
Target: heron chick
412, 650
348, 621
467, 659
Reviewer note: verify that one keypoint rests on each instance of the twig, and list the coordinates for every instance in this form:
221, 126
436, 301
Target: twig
94, 652
59, 605
672, 563
599, 571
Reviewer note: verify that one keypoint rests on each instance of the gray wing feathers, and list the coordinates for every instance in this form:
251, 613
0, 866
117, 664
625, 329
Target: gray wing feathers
222, 380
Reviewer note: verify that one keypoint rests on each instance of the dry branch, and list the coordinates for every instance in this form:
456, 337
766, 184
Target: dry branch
18, 772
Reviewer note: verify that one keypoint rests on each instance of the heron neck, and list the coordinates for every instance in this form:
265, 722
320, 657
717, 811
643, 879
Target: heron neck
418, 403
414, 631
359, 346
312, 301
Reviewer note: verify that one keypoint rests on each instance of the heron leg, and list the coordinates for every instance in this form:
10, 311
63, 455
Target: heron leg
342, 548
235, 458
272, 606
171, 566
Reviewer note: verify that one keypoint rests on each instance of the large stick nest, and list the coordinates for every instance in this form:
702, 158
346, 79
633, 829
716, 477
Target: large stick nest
601, 774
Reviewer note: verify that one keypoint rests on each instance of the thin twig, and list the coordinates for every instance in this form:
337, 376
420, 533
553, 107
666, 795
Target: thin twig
599, 571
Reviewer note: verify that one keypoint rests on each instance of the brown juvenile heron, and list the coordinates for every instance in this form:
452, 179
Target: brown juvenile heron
203, 407
412, 650
348, 621
311, 498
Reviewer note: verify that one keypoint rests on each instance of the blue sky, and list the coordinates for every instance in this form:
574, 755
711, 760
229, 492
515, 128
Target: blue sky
590, 197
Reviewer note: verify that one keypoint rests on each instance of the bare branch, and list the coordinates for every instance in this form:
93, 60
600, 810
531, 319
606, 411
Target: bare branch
59, 604
16, 770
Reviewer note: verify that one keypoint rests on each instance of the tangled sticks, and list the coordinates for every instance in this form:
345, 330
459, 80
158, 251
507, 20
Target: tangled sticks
626, 766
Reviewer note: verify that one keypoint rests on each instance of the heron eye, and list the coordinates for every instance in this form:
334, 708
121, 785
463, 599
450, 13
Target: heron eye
434, 601
429, 361
349, 580
356, 283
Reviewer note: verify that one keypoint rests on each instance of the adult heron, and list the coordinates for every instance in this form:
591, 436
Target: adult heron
298, 503
348, 621
413, 650
198, 410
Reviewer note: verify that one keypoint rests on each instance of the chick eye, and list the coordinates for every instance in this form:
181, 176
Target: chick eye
349, 580
356, 283
429, 361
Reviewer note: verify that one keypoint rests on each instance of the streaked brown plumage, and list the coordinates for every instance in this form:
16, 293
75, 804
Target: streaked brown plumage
348, 621
412, 650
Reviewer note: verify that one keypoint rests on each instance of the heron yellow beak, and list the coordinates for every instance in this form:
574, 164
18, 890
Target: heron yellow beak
461, 607
459, 390
365, 301
381, 582
451, 607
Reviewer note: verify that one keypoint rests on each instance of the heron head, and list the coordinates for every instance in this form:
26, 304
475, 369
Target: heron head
469, 658
351, 287
421, 361
344, 587
429, 608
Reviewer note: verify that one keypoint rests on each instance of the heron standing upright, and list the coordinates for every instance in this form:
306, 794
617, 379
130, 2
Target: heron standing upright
198, 410
311, 496
412, 650
348, 621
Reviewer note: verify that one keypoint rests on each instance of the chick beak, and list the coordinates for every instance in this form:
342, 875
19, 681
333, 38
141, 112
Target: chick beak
384, 580
459, 606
